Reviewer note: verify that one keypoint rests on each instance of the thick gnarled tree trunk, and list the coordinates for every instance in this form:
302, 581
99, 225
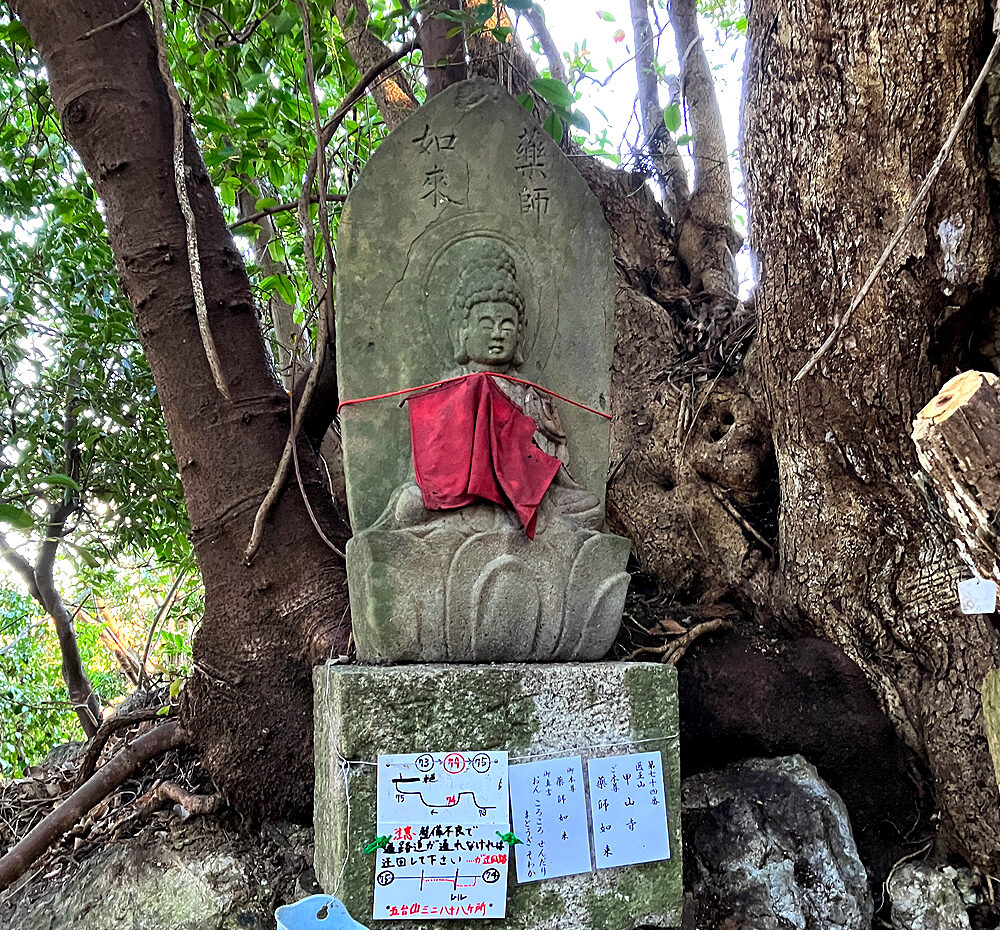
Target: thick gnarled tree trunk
249, 703
846, 107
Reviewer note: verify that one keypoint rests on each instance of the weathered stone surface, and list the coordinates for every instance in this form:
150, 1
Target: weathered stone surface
486, 596
925, 898
589, 710
448, 175
991, 714
500, 261
769, 847
201, 874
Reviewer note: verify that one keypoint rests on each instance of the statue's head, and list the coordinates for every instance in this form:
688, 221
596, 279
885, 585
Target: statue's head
486, 319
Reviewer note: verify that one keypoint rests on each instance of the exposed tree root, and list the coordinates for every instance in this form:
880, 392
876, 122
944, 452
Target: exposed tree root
148, 746
191, 804
673, 651
107, 729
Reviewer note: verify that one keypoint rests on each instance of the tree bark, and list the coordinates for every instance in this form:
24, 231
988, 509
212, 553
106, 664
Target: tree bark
393, 95
443, 55
249, 703
846, 106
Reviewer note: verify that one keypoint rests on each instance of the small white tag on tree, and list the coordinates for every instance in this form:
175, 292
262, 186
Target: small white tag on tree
977, 595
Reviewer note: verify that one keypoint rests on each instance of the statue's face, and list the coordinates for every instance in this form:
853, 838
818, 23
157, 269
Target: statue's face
491, 334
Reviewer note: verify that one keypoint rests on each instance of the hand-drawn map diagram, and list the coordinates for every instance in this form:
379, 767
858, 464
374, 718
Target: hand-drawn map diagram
628, 809
549, 816
442, 813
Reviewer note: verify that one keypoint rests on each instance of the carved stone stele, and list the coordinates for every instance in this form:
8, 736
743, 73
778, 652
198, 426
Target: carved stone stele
470, 243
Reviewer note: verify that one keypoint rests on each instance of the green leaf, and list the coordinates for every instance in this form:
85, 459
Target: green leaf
64, 481
554, 127
175, 687
16, 517
684, 139
518, 4
281, 285
213, 123
284, 23
576, 118
606, 16
526, 101
482, 13
501, 34
454, 31
453, 16
352, 14
276, 249
672, 117
554, 91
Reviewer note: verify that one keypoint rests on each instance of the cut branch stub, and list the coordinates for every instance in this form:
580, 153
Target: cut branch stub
957, 436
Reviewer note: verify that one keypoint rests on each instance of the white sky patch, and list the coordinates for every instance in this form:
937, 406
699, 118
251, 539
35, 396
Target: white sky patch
609, 95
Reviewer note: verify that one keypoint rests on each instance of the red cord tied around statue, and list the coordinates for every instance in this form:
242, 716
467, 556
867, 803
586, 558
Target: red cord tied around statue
472, 443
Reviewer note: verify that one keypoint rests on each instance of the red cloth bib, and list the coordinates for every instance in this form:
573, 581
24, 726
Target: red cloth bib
471, 443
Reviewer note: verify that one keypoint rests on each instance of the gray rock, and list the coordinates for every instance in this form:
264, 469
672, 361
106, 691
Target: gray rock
925, 898
770, 846
195, 875
489, 225
590, 710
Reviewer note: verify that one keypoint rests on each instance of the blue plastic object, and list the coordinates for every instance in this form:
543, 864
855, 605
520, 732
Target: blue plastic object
317, 912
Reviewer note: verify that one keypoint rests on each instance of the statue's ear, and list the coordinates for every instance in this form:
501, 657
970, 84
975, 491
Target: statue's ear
457, 331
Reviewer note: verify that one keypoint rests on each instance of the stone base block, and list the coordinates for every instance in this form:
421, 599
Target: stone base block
532, 711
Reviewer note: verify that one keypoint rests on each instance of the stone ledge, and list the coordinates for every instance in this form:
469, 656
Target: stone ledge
586, 709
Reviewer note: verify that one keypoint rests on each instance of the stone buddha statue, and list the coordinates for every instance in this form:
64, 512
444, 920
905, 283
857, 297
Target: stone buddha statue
471, 249
487, 323
486, 579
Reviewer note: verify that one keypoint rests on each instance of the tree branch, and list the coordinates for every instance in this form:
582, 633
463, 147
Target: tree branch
393, 95
661, 145
324, 338
285, 207
287, 334
443, 57
108, 728
125, 764
707, 239
20, 565
184, 201
536, 19
81, 692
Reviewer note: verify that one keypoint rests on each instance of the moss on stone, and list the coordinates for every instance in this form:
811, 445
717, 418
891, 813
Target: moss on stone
530, 905
643, 891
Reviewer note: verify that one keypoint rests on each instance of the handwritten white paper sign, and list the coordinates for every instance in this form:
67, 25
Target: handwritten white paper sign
445, 787
549, 817
628, 809
442, 813
441, 871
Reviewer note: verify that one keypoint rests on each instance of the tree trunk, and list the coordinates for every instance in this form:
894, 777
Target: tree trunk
249, 703
847, 105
